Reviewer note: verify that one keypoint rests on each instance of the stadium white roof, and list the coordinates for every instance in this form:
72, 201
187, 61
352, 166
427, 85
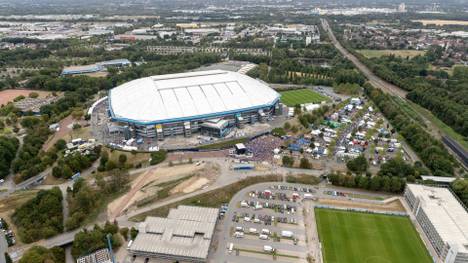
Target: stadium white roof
186, 96
186, 232
446, 214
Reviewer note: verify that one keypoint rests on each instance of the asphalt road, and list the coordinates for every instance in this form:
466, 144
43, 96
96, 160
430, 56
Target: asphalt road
373, 79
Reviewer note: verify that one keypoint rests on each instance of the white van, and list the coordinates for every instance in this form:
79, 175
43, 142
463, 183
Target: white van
230, 247
268, 249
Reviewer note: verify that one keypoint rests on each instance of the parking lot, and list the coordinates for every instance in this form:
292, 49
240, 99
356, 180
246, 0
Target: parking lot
265, 222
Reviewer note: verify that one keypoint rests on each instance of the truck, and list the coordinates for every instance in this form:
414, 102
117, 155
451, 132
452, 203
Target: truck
287, 234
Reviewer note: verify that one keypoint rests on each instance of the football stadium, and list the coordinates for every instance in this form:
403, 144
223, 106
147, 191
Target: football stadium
207, 102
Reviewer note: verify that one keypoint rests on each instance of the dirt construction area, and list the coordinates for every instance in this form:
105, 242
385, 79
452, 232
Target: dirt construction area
161, 182
10, 94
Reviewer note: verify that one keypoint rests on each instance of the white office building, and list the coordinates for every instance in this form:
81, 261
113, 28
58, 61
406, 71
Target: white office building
443, 219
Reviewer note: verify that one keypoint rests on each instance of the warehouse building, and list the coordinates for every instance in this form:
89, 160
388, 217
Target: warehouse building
94, 68
185, 235
443, 218
207, 102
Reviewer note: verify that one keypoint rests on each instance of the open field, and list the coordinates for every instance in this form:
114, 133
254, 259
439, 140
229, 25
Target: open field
372, 238
439, 22
9, 94
301, 96
371, 53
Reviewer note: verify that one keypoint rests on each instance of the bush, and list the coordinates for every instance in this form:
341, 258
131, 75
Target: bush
158, 157
33, 95
278, 132
302, 179
18, 98
38, 254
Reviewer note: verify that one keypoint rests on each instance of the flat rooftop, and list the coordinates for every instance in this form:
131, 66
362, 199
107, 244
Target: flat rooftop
447, 215
186, 232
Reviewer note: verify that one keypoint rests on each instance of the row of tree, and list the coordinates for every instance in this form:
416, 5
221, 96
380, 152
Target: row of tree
374, 183
29, 161
430, 150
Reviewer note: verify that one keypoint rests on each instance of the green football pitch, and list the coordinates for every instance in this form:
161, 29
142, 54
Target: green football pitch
353, 237
301, 96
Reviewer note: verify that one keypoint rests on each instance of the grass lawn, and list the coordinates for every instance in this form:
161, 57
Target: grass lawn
223, 144
301, 96
349, 237
371, 53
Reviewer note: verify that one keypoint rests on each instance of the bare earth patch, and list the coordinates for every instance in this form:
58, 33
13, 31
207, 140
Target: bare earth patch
190, 185
9, 94
145, 184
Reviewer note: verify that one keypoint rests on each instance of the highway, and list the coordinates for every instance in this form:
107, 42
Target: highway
373, 79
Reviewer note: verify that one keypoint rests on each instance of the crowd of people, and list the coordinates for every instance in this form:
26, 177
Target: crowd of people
263, 146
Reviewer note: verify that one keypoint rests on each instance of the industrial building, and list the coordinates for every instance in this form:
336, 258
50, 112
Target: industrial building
185, 235
94, 68
207, 102
443, 218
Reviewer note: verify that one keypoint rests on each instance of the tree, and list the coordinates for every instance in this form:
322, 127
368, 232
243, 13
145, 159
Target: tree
358, 165
122, 158
386, 184
305, 164
375, 183
396, 185
60, 144
86, 242
288, 161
